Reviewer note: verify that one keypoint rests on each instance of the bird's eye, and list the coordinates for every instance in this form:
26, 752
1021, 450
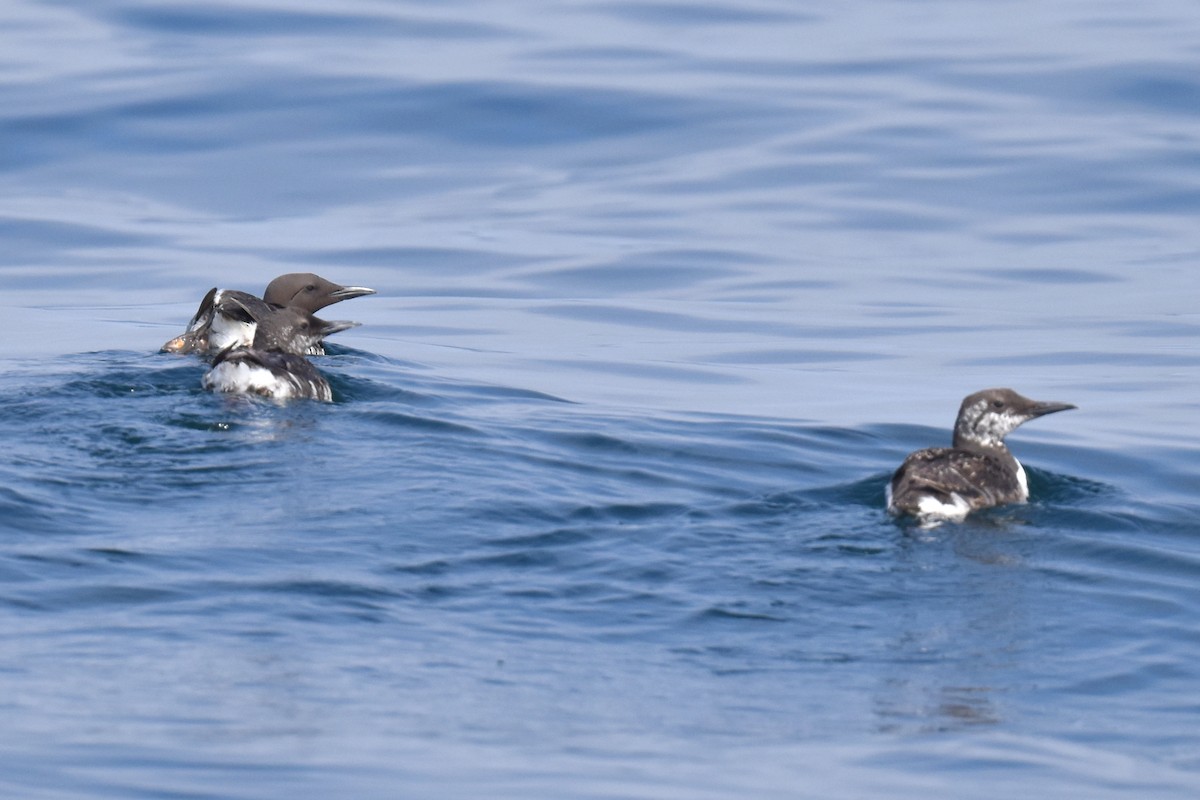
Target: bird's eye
312, 287
997, 404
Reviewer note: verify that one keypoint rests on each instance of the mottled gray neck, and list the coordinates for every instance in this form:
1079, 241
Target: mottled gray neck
982, 430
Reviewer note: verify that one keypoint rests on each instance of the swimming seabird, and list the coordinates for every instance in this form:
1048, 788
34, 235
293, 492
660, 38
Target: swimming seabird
977, 471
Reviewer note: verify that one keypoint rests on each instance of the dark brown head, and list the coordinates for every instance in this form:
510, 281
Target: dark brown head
309, 292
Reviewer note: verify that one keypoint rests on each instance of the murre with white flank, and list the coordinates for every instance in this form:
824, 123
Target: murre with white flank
274, 365
978, 471
227, 317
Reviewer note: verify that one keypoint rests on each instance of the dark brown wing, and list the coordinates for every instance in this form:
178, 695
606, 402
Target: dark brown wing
204, 313
944, 473
242, 306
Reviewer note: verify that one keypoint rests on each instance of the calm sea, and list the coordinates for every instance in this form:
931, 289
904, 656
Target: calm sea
666, 291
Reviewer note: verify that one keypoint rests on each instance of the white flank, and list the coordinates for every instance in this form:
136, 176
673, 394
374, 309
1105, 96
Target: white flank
1023, 481
243, 378
932, 508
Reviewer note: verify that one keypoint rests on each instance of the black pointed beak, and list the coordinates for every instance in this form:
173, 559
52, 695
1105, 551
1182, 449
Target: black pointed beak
350, 292
330, 327
1042, 409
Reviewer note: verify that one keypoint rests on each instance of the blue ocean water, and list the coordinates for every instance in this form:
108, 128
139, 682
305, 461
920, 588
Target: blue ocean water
666, 291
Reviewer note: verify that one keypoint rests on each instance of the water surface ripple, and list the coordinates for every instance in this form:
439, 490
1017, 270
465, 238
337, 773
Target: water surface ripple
666, 292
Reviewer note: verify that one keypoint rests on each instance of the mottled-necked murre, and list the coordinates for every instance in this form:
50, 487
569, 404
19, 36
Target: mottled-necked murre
978, 471
274, 365
227, 317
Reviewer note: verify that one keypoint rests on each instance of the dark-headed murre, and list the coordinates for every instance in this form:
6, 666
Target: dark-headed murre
227, 317
978, 471
274, 366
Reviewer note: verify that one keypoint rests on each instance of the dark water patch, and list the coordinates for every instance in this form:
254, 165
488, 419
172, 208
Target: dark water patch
359, 390
1112, 558
621, 513
794, 356
412, 423
194, 131
633, 278
378, 383
432, 260
1068, 277
639, 318
1154, 328
867, 492
331, 589
774, 506
23, 511
809, 172
662, 458
594, 442
101, 596
1114, 475
118, 555
664, 320
520, 559
29, 240
1178, 94
1076, 358
113, 372
1101, 520
885, 332
769, 291
83, 766
512, 394
189, 20
719, 614
554, 538
699, 14
315, 600
1052, 488
1152, 88
58, 563
674, 372
650, 271
635, 57
500, 115
434, 567
894, 219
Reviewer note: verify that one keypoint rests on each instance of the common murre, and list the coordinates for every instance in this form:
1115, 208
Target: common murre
274, 365
227, 317
978, 471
